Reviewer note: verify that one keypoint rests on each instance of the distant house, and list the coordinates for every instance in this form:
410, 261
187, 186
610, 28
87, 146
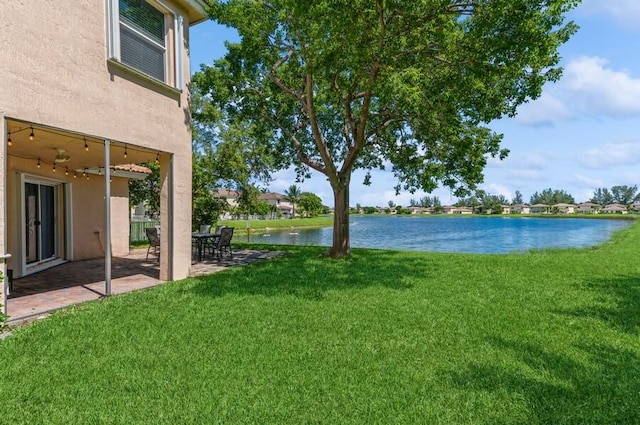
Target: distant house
588, 207
520, 209
564, 208
539, 208
420, 210
278, 200
615, 209
506, 209
230, 196
452, 209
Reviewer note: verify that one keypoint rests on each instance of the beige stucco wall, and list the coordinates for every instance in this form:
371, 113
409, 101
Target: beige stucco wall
55, 72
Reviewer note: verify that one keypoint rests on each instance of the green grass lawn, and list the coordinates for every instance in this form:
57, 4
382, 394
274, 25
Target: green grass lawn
546, 337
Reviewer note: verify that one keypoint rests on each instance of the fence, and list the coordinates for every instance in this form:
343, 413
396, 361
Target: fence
137, 233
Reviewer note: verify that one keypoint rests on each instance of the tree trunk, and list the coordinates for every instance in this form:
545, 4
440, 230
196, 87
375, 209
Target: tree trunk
341, 244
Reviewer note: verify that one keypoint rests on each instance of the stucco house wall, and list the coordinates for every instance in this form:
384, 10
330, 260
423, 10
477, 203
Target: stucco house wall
56, 73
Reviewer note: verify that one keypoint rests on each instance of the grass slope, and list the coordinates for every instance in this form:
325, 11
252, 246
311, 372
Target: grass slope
389, 337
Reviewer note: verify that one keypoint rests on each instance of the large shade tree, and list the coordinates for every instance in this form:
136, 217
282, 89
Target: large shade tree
337, 86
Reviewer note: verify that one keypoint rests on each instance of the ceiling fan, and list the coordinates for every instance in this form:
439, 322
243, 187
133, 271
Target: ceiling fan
61, 157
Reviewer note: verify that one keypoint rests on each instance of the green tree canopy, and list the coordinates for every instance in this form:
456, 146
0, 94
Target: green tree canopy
602, 196
335, 86
517, 198
624, 194
552, 197
147, 191
619, 194
311, 204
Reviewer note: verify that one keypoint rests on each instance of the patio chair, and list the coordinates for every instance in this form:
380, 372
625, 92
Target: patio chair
204, 228
223, 243
154, 241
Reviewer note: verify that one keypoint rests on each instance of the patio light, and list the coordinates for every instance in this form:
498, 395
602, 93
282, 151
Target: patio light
125, 151
9, 142
157, 157
31, 136
86, 146
66, 171
38, 162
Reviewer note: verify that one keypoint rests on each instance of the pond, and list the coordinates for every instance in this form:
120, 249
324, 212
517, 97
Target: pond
457, 234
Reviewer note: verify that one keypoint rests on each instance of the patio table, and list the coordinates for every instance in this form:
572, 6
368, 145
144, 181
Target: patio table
201, 239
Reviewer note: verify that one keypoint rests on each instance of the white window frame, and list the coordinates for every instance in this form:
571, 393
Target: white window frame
171, 14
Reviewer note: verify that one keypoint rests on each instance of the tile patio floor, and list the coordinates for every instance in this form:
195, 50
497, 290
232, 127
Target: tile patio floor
79, 281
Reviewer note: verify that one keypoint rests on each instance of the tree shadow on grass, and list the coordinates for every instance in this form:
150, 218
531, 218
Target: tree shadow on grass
305, 274
557, 389
619, 303
596, 382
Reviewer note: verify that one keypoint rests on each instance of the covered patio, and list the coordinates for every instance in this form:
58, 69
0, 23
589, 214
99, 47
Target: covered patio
66, 218
76, 282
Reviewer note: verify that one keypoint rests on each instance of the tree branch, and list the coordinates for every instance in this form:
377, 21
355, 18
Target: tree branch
330, 169
304, 158
278, 82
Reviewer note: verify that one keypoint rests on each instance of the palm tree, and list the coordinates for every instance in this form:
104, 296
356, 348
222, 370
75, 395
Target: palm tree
293, 195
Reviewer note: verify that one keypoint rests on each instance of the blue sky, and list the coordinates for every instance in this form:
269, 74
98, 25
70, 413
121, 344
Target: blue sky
581, 134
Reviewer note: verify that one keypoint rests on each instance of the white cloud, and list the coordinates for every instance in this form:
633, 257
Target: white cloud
611, 155
546, 110
582, 195
623, 12
597, 89
588, 181
498, 189
527, 175
588, 87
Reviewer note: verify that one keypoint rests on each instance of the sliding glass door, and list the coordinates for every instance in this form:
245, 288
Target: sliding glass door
40, 222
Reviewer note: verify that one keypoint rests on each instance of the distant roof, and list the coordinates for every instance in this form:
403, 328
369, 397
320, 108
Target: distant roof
134, 168
271, 195
225, 193
588, 204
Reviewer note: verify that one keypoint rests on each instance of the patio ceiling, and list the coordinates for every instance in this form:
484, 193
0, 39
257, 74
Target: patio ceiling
48, 143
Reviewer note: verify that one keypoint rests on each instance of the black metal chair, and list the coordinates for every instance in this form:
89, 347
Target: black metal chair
223, 243
154, 241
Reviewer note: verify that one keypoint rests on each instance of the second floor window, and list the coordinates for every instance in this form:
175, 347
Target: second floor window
143, 37
147, 36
